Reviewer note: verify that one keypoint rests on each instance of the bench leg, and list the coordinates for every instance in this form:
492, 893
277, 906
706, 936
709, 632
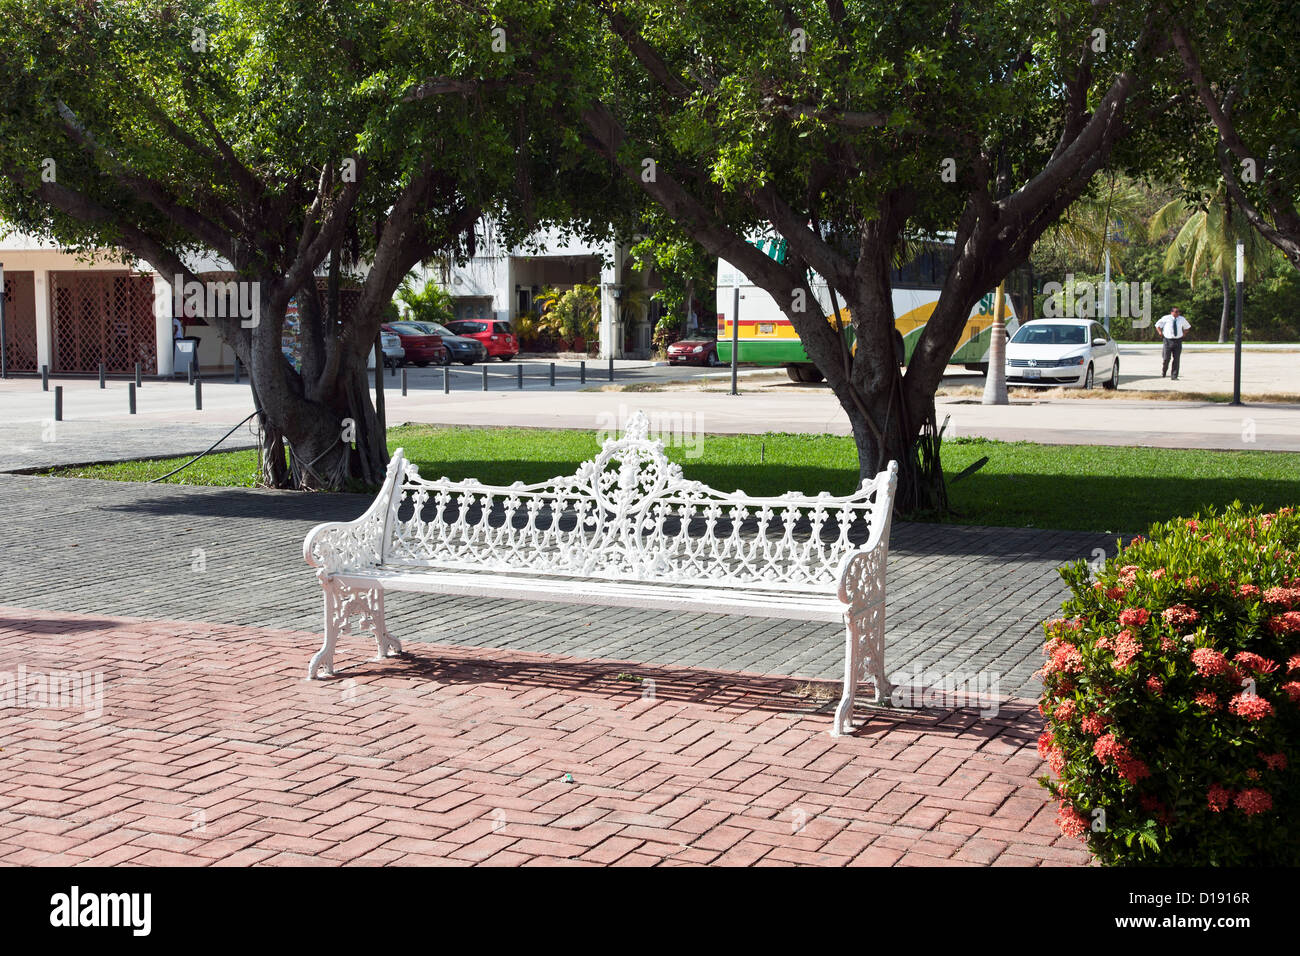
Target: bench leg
864, 659
389, 645
342, 603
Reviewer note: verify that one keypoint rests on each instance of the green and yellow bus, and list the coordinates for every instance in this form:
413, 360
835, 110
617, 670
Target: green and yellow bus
766, 337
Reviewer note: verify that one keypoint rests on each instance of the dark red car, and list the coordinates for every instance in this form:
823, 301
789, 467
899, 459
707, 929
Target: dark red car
497, 336
420, 346
700, 350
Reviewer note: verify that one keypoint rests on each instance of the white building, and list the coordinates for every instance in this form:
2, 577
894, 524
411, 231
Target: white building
505, 284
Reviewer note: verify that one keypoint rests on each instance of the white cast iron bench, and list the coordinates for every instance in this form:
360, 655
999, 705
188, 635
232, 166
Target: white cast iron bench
626, 530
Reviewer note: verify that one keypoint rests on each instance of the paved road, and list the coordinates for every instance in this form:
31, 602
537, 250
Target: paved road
961, 599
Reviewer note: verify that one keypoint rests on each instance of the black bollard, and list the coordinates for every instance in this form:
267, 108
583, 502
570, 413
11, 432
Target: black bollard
485, 377
403, 383
101, 374
611, 368
446, 381
582, 372
552, 375
58, 403
45, 378
520, 370
198, 395
138, 381
130, 391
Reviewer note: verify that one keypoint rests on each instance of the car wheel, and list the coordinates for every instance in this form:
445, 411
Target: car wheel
422, 363
1087, 377
1113, 383
506, 358
467, 362
711, 360
446, 359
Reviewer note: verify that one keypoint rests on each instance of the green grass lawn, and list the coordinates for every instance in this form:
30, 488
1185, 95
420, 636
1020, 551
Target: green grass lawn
1070, 487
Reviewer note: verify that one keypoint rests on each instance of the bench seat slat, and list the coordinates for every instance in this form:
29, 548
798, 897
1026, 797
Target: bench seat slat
675, 597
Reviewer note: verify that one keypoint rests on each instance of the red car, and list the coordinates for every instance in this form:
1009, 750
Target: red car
421, 347
700, 350
497, 336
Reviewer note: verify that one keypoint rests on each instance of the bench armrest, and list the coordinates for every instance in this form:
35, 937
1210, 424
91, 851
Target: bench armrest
862, 572
337, 546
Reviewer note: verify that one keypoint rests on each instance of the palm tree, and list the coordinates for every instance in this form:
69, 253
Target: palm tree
1206, 243
1093, 223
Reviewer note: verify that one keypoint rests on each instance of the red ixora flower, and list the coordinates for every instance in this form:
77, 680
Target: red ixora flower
1065, 711
1218, 798
1071, 821
1208, 698
1180, 615
1066, 659
1250, 706
1126, 648
1292, 689
1287, 597
1115, 593
1254, 800
1274, 761
1285, 623
1154, 685
1247, 591
1155, 806
1134, 617
1209, 662
1094, 724
1110, 749
1254, 662
1192, 583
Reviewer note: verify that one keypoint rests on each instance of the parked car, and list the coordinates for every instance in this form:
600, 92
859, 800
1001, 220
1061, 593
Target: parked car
497, 336
418, 346
459, 348
1056, 353
394, 354
700, 350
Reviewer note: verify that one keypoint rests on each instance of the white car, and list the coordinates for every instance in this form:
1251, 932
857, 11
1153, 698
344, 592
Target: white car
1062, 353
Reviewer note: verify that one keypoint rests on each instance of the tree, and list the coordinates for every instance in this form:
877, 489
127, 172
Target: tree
1206, 244
850, 127
1240, 63
286, 138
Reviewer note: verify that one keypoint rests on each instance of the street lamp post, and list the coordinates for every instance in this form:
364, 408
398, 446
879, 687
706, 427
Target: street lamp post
1236, 361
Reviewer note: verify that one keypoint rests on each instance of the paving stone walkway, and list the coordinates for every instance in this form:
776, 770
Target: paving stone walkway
208, 748
960, 600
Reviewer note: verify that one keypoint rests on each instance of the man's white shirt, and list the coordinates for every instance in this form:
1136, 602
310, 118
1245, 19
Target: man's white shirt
1172, 326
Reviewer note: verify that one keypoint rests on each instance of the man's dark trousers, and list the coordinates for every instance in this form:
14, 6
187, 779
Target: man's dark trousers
1173, 350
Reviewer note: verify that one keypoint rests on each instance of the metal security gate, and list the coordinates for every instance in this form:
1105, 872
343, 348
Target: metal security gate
20, 321
103, 317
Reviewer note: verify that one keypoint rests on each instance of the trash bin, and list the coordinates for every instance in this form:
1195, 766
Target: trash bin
185, 355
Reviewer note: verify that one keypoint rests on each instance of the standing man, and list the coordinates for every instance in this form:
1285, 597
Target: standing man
1172, 326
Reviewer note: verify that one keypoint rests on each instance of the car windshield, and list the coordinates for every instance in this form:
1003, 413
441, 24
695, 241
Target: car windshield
433, 328
465, 328
1034, 333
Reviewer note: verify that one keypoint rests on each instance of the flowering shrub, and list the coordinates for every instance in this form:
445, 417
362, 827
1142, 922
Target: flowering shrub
1172, 695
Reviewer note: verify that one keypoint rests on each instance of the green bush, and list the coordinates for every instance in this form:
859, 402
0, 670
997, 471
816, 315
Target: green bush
1172, 695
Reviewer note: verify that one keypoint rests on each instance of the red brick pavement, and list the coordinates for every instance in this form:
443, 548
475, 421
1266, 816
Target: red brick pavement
212, 749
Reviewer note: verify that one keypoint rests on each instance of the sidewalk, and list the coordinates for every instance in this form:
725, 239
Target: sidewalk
211, 749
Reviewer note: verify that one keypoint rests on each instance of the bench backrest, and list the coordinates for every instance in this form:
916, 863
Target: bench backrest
629, 514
